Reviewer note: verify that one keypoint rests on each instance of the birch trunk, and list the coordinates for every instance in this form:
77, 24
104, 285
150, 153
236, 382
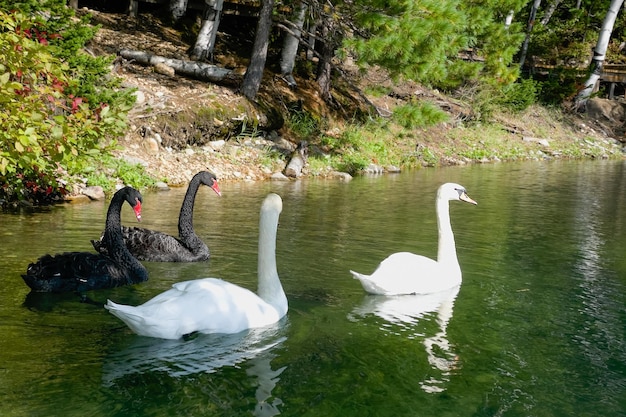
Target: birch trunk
193, 69
178, 8
254, 74
529, 29
598, 55
509, 19
290, 45
550, 11
205, 42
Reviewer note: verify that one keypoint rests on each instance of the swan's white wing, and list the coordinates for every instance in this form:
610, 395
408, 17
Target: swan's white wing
403, 273
208, 305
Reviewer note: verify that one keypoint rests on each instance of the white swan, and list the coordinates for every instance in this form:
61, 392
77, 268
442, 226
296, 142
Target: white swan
211, 305
407, 273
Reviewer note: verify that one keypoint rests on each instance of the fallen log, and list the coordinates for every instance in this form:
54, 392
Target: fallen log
198, 70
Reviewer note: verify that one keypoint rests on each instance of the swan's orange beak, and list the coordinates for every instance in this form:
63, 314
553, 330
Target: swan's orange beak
466, 198
137, 210
216, 188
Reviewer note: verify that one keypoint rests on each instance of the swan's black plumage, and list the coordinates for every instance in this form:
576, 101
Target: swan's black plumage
84, 271
151, 245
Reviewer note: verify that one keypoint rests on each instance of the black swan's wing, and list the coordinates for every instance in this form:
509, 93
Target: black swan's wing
78, 271
150, 245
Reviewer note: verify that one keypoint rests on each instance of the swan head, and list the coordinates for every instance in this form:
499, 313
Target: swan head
209, 179
451, 191
134, 198
272, 203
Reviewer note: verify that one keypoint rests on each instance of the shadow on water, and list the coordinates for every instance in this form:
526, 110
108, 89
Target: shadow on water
47, 302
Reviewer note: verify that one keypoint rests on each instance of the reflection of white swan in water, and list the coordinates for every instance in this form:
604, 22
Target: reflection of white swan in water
205, 354
406, 311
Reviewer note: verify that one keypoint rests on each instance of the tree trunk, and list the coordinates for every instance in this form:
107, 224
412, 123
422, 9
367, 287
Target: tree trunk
254, 74
327, 51
298, 160
550, 11
205, 42
529, 29
310, 50
178, 8
290, 45
598, 55
509, 19
193, 69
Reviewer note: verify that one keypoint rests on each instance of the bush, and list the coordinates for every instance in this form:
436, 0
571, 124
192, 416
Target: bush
56, 119
411, 116
488, 98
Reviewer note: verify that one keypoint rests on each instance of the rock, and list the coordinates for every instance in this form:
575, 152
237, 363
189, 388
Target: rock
279, 176
610, 114
217, 145
78, 199
542, 142
135, 160
140, 97
161, 186
151, 145
373, 169
343, 176
94, 192
164, 69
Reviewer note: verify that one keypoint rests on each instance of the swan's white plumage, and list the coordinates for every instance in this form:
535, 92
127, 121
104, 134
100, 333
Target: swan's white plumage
212, 305
408, 273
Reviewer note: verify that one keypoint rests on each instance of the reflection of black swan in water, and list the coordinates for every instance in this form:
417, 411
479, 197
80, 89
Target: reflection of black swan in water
84, 271
150, 245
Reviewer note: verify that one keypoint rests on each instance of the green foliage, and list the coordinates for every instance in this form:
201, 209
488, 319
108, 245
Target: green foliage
560, 84
304, 125
520, 95
423, 114
360, 145
486, 99
49, 132
410, 39
109, 171
491, 40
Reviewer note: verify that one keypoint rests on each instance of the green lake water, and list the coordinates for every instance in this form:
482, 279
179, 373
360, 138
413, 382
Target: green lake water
537, 328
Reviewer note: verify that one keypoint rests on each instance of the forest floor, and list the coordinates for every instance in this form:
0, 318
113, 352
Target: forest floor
173, 135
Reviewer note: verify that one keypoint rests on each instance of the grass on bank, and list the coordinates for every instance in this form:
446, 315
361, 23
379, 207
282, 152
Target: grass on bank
435, 140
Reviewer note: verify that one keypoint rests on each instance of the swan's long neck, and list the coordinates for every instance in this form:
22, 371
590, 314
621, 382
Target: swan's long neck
185, 218
113, 227
446, 254
113, 236
270, 288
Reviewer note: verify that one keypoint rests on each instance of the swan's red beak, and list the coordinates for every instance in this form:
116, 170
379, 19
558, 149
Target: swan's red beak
137, 210
216, 188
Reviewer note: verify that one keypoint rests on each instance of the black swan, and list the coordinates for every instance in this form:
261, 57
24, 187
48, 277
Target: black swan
84, 271
150, 245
